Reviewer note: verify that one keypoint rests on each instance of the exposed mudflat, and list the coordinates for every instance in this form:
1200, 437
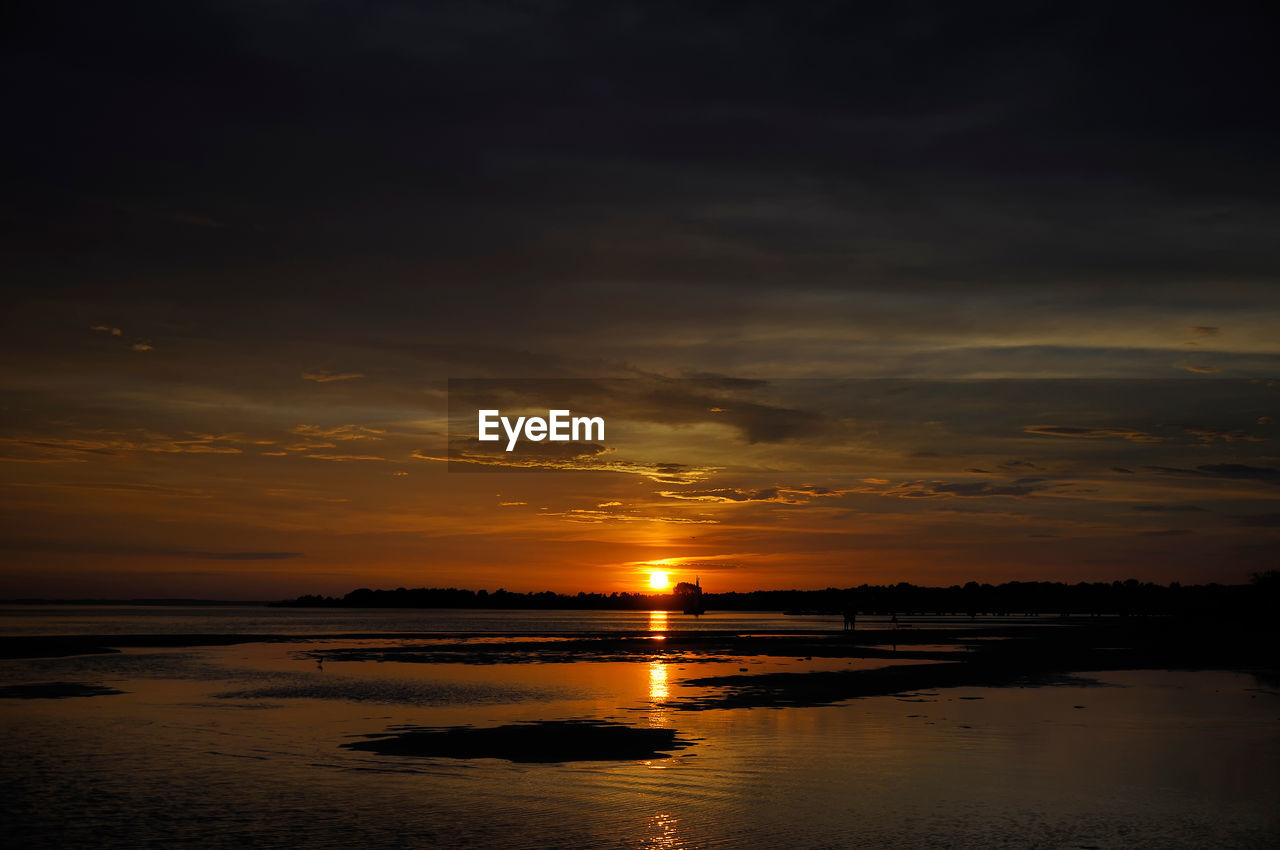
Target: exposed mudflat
553, 741
55, 690
777, 690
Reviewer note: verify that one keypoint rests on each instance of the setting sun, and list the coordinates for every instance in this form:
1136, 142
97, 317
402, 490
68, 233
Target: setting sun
658, 580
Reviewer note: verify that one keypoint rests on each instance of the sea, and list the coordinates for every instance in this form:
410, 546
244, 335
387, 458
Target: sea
242, 745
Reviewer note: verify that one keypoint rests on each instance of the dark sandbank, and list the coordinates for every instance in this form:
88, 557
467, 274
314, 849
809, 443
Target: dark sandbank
690, 646
780, 690
60, 646
378, 690
1028, 657
55, 690
546, 742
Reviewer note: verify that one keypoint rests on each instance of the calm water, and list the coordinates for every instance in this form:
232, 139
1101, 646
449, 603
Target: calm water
229, 619
239, 746
163, 619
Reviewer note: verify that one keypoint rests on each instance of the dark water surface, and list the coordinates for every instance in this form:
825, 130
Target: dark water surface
243, 746
259, 619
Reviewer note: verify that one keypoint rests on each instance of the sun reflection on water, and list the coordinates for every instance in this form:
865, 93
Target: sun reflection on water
662, 833
657, 621
659, 691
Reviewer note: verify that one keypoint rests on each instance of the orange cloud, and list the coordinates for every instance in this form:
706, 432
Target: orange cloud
322, 376
341, 432
1072, 432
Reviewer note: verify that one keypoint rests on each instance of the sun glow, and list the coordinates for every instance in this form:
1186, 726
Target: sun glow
658, 580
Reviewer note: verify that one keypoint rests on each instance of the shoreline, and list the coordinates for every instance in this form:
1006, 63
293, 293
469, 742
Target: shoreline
993, 655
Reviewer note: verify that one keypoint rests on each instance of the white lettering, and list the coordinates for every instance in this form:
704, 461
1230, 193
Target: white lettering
512, 433
488, 421
560, 426
586, 422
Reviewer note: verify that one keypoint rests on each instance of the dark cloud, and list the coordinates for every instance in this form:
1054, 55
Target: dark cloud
324, 376
142, 551
982, 489
472, 449
467, 454
1234, 471
88, 442
1239, 470
1206, 434
595, 516
282, 213
1167, 532
711, 566
1169, 508
966, 489
1260, 521
739, 404
670, 141
757, 422
711, 380
1131, 434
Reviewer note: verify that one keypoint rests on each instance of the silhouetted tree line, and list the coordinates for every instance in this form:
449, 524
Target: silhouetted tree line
1014, 598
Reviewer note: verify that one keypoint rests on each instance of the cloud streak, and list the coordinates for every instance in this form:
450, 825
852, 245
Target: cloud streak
143, 551
322, 376
790, 495
1133, 435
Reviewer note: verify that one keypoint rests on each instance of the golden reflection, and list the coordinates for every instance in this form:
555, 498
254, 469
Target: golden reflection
663, 834
657, 621
659, 691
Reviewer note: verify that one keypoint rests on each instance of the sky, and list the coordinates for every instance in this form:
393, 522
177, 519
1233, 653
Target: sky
867, 292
